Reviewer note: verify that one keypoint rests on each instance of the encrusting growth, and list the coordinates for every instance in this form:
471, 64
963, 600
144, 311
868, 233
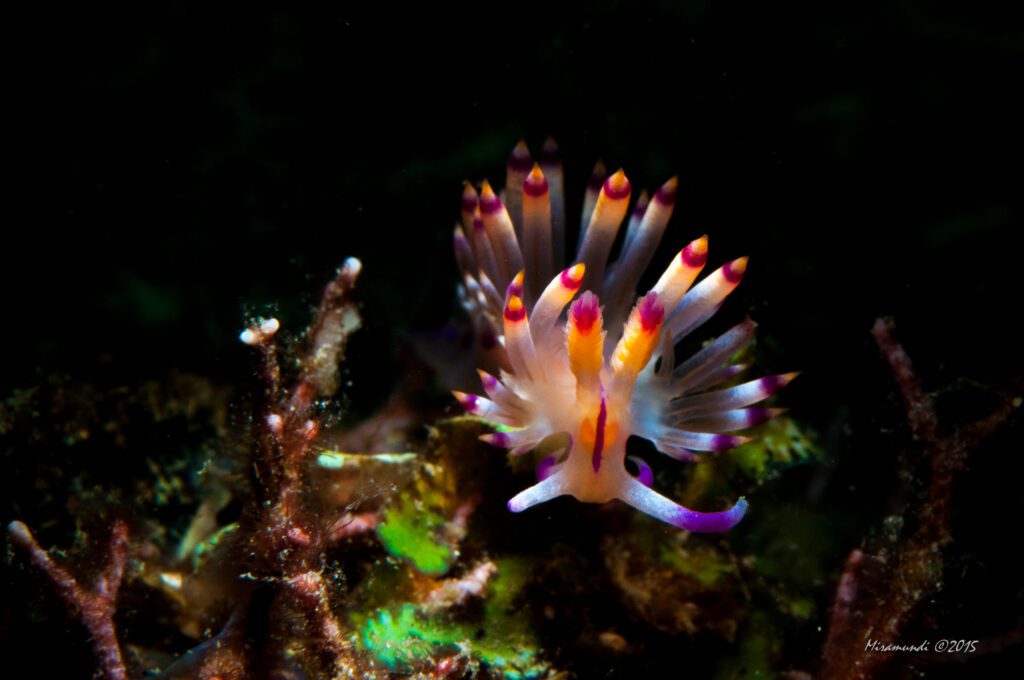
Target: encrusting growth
605, 370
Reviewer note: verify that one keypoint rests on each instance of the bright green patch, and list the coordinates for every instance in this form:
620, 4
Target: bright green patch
396, 640
415, 534
508, 643
400, 637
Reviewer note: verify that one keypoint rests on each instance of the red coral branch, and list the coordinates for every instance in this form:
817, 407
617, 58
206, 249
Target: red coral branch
94, 608
289, 539
322, 625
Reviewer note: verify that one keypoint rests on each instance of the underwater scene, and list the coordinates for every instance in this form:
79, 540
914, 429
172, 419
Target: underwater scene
594, 340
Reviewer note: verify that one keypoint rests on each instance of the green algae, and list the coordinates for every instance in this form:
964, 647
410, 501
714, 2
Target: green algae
413, 533
675, 582
778, 444
775, 446
791, 546
791, 551
509, 644
402, 635
395, 637
398, 621
703, 563
757, 650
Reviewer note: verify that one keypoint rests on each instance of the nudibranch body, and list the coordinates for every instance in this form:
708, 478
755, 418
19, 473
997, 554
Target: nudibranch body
597, 374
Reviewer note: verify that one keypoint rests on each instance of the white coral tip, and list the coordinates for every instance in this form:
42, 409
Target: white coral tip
269, 326
352, 266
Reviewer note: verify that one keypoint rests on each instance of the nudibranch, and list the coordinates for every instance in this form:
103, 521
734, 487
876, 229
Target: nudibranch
604, 373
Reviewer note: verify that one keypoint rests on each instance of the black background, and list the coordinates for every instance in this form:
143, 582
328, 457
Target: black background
177, 167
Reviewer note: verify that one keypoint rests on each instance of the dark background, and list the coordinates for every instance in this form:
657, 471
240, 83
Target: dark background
179, 167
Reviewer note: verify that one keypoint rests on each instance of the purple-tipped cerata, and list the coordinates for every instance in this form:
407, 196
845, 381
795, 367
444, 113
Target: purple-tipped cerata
587, 360
519, 160
535, 185
597, 177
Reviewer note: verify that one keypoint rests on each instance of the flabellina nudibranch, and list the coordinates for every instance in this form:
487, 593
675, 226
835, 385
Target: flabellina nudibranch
605, 372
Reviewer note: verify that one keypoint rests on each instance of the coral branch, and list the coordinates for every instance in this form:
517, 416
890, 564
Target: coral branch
322, 624
95, 608
883, 585
289, 538
336, 320
920, 410
846, 593
281, 537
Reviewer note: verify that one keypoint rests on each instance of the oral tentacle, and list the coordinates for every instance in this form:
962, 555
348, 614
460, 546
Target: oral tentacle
549, 465
651, 502
645, 474
552, 487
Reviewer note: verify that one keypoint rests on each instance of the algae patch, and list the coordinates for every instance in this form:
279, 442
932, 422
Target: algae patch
414, 534
402, 636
